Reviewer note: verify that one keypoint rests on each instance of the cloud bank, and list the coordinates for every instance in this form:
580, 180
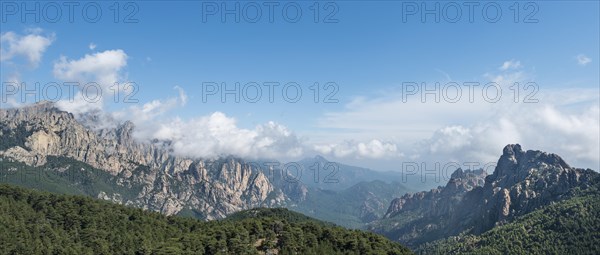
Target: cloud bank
562, 121
218, 135
384, 128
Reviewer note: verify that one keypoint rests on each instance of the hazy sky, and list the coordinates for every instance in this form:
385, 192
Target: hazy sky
360, 66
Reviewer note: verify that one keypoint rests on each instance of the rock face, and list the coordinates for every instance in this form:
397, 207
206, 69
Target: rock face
522, 182
166, 183
372, 203
441, 200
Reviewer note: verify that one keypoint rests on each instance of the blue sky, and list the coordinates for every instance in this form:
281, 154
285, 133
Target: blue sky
369, 53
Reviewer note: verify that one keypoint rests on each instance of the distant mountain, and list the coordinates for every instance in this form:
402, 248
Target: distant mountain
319, 172
353, 207
34, 222
523, 182
350, 207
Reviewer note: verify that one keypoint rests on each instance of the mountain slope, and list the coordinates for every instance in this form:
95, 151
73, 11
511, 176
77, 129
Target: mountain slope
353, 207
571, 226
33, 222
522, 182
279, 213
420, 217
321, 173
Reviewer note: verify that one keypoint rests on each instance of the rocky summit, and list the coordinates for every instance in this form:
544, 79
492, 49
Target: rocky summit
524, 181
211, 188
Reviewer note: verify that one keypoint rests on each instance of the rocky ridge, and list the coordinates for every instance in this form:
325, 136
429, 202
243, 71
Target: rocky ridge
167, 183
522, 182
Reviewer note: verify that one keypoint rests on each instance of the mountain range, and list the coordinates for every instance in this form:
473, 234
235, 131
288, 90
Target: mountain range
44, 148
108, 163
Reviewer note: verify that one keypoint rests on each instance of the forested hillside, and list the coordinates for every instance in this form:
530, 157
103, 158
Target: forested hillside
34, 222
568, 227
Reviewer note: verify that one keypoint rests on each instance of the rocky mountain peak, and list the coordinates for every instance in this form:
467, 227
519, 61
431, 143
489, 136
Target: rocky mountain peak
124, 132
44, 105
516, 165
319, 158
512, 149
43, 110
511, 155
522, 182
313, 160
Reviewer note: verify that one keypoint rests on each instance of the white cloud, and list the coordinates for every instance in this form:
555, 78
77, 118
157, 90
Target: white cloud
101, 67
31, 46
152, 110
98, 72
374, 149
218, 135
506, 79
583, 60
449, 138
182, 96
21, 52
12, 102
79, 104
92, 46
510, 64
